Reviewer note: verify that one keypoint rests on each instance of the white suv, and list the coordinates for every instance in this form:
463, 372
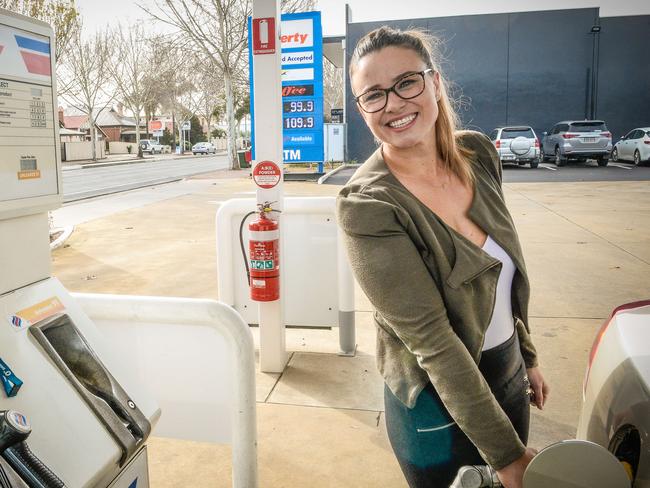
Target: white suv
517, 144
151, 146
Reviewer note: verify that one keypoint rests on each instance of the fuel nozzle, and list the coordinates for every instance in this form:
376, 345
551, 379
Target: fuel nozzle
14, 428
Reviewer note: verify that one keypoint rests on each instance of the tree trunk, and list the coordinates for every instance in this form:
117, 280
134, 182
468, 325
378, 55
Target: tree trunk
230, 118
93, 136
173, 131
137, 134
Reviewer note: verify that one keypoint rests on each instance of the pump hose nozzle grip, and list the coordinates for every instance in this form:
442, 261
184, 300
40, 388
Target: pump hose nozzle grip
14, 430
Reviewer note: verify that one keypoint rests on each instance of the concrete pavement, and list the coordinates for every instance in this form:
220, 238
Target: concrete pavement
320, 423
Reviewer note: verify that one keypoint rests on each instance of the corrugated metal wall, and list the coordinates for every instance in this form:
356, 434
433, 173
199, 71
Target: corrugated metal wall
532, 68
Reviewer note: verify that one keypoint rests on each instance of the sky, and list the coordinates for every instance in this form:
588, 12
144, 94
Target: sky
97, 14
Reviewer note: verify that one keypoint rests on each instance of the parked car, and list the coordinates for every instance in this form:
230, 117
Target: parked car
150, 146
616, 407
204, 148
634, 146
518, 145
577, 140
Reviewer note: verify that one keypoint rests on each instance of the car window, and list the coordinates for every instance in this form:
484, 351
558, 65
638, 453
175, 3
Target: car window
493, 135
588, 127
638, 134
513, 133
648, 133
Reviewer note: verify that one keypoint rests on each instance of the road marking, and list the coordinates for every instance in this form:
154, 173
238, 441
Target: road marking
547, 167
620, 166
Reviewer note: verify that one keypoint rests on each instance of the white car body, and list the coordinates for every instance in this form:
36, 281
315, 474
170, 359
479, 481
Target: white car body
151, 146
616, 398
634, 146
204, 148
517, 145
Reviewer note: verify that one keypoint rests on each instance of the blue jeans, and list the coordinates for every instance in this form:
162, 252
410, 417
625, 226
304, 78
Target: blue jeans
429, 445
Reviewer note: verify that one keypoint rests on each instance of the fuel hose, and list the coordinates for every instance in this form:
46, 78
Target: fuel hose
14, 430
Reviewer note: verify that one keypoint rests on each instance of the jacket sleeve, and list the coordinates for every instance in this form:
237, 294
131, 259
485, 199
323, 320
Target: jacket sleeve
489, 157
391, 272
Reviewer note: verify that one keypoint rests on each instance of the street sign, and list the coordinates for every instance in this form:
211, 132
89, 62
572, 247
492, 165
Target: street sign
186, 125
155, 125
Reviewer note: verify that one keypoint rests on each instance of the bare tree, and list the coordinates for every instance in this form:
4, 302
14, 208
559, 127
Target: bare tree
289, 6
62, 15
218, 30
130, 66
332, 88
210, 95
85, 78
171, 83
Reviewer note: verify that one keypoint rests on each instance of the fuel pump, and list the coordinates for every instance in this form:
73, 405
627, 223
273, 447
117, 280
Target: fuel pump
87, 416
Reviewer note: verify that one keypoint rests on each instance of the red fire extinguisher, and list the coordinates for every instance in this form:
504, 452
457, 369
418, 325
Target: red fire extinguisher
264, 252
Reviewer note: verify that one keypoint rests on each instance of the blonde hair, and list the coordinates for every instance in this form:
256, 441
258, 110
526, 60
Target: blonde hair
455, 157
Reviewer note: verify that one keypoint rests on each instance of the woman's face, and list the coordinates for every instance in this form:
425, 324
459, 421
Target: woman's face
401, 123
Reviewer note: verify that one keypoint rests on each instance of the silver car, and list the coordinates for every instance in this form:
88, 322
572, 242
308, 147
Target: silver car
577, 140
204, 148
616, 401
634, 146
518, 145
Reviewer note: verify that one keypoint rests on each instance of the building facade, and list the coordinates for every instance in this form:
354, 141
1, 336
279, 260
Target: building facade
533, 68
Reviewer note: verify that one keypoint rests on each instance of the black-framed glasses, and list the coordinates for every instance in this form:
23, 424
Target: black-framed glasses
407, 87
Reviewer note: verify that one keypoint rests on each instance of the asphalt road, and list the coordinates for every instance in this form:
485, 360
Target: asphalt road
589, 171
548, 172
80, 183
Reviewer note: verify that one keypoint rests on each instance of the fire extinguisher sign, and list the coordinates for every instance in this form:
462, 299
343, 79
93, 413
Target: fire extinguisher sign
264, 35
266, 174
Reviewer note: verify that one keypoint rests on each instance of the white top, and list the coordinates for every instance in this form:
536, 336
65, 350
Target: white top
502, 325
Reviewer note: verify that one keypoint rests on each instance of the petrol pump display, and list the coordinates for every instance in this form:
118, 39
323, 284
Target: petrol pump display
28, 132
302, 86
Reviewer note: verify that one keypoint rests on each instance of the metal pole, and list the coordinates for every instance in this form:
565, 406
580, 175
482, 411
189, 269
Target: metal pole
268, 147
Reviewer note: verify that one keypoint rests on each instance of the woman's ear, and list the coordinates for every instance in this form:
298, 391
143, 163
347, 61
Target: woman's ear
436, 84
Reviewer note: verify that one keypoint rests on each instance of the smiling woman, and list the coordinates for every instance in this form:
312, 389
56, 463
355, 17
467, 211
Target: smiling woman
434, 248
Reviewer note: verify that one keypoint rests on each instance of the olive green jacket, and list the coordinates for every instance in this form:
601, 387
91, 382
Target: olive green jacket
433, 291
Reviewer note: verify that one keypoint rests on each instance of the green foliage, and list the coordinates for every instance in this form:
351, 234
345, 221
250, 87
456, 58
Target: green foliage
129, 148
243, 108
166, 138
218, 133
62, 15
196, 131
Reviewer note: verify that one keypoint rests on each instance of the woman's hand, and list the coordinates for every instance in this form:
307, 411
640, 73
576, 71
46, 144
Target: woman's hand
512, 475
539, 386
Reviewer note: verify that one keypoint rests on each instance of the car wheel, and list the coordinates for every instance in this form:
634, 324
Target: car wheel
559, 160
637, 158
534, 164
602, 160
615, 154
